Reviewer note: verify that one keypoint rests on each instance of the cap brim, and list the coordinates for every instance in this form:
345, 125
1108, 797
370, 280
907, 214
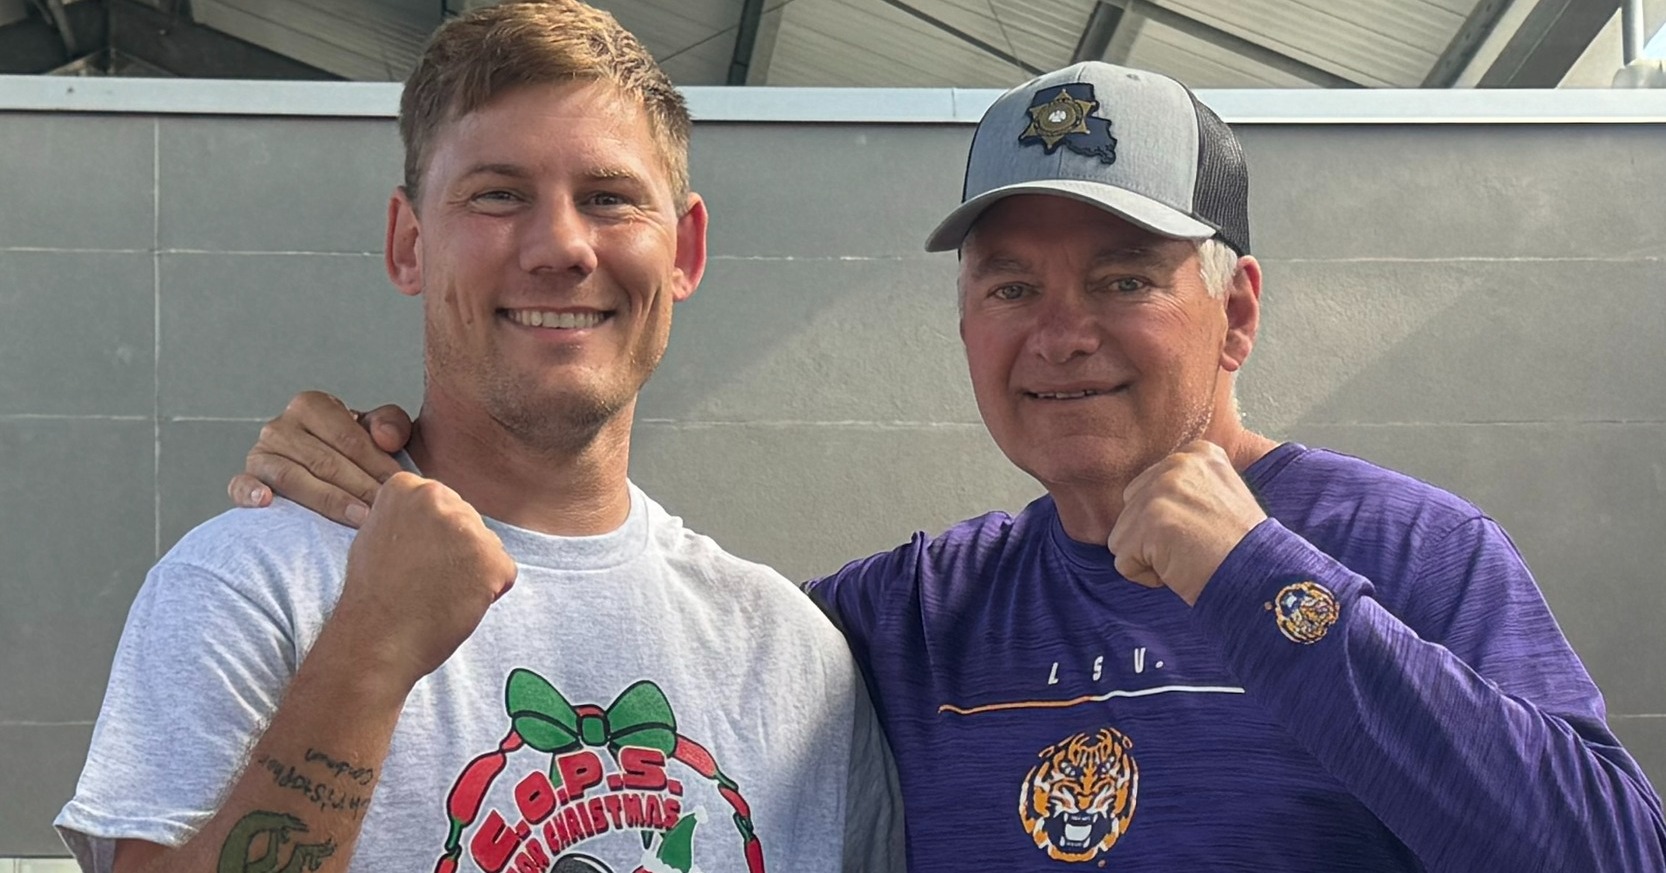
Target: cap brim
1137, 209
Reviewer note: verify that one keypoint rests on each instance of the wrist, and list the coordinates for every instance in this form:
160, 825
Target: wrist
363, 670
1209, 563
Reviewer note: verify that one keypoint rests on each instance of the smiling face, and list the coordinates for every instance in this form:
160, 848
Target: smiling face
549, 249
1094, 346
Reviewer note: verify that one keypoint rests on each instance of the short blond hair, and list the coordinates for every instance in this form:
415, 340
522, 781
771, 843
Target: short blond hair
472, 59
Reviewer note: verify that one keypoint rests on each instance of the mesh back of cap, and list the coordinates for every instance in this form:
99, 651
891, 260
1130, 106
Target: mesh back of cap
1222, 194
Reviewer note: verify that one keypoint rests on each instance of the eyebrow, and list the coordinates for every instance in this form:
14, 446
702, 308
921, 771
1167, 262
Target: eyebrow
1145, 256
1007, 265
998, 265
516, 171
605, 174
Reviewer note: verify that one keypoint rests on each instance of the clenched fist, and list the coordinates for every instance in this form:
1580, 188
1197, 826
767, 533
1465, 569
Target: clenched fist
421, 574
1181, 518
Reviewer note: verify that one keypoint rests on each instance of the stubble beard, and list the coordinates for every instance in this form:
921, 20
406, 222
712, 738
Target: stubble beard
558, 427
1193, 425
569, 422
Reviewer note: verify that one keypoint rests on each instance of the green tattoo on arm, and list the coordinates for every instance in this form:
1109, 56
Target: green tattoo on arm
276, 827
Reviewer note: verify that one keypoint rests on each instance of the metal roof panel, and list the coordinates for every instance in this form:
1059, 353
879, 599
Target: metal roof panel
870, 43
1201, 64
1389, 43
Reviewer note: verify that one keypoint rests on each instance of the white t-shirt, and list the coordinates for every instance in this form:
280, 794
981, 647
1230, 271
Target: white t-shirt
718, 667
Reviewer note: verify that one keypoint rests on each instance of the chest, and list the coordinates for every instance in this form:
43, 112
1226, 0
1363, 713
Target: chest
553, 737
1077, 735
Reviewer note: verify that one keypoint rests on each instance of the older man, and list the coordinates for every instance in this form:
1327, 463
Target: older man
1202, 649
290, 696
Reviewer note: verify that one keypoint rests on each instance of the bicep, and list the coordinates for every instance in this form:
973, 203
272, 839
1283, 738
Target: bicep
133, 856
199, 671
1494, 617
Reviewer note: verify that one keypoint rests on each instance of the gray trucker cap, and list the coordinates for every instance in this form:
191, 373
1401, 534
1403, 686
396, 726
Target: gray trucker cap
1136, 144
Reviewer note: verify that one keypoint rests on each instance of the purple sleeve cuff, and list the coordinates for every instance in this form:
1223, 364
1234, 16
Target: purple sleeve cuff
1276, 597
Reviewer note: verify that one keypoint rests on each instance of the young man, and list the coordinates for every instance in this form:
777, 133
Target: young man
574, 681
1202, 649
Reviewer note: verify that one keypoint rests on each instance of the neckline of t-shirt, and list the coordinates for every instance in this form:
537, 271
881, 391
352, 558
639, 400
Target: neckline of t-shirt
598, 552
1097, 559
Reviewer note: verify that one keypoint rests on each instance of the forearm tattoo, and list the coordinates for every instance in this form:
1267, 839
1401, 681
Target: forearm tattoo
339, 789
361, 775
273, 829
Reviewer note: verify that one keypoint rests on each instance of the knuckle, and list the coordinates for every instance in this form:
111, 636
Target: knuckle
344, 434
300, 403
325, 466
313, 400
280, 476
269, 433
400, 484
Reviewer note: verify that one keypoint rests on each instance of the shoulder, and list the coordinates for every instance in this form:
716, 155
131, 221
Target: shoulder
698, 557
1416, 542
974, 541
260, 552
757, 601
884, 587
1326, 490
274, 532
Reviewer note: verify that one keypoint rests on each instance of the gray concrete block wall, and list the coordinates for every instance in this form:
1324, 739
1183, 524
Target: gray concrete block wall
1484, 307
1476, 305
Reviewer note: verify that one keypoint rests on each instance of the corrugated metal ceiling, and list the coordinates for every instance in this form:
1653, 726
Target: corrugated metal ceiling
1381, 43
356, 39
1202, 64
1378, 43
967, 43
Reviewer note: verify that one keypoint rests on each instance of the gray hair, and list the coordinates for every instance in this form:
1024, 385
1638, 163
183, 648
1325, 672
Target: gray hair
1219, 265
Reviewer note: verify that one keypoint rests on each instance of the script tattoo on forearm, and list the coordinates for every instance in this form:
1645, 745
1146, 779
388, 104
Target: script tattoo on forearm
326, 796
273, 829
361, 775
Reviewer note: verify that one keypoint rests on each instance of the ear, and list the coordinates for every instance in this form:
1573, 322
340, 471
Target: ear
400, 251
960, 307
691, 249
1243, 314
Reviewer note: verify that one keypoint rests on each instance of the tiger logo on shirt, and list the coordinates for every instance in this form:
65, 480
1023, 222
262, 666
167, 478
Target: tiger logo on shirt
1078, 800
1305, 611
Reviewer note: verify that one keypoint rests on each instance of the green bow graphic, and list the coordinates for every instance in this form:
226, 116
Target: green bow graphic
640, 716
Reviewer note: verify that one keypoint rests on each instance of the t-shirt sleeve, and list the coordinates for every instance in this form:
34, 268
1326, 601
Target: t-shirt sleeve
1465, 742
873, 796
865, 593
200, 669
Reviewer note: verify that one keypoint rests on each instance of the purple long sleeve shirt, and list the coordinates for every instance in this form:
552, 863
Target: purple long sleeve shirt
1370, 682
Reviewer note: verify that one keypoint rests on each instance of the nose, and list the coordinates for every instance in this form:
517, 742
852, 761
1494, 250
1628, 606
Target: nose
1065, 329
559, 240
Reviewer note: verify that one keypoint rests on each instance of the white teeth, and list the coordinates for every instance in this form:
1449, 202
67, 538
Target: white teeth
1073, 395
1075, 833
569, 320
